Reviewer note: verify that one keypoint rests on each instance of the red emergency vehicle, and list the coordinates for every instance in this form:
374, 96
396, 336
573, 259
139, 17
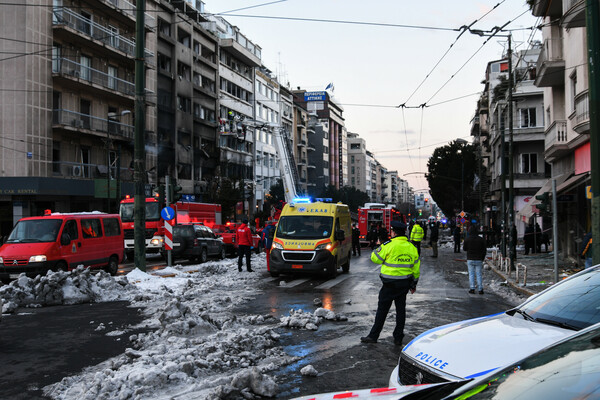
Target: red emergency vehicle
374, 213
185, 213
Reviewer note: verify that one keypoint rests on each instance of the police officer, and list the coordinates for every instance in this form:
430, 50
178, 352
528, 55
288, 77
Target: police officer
400, 270
416, 236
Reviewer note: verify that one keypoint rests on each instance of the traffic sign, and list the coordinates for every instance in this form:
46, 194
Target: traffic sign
169, 236
462, 214
463, 221
167, 213
315, 96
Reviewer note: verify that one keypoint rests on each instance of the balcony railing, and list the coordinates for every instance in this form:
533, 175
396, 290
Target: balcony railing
310, 147
77, 170
556, 134
582, 112
65, 16
92, 123
70, 68
130, 9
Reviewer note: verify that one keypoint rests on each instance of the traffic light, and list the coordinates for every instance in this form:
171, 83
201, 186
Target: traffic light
161, 195
544, 205
175, 191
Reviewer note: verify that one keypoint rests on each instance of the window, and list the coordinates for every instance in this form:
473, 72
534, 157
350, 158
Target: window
71, 229
111, 227
352, 160
183, 104
527, 117
91, 228
164, 62
183, 71
112, 75
164, 27
183, 37
352, 170
529, 163
573, 86
86, 63
56, 156
56, 60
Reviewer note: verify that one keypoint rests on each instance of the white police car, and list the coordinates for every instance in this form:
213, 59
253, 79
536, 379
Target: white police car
470, 349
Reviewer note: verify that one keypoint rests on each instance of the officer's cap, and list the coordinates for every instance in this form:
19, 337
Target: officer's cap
398, 226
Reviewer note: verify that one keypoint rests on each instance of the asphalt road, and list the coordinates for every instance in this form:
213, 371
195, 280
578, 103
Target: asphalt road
40, 346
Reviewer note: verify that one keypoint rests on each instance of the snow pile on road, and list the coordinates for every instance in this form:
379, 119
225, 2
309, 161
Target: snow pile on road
311, 321
57, 288
195, 346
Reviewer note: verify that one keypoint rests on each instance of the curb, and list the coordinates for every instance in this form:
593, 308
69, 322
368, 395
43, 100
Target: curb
516, 287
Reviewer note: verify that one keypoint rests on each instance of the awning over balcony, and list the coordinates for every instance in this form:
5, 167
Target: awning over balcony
527, 210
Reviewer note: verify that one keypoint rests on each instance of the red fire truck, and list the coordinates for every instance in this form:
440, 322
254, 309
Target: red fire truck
185, 213
374, 213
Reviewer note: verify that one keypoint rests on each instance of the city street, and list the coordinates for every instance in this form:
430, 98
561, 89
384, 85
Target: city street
334, 350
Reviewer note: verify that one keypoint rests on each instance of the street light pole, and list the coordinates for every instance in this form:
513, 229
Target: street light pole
511, 195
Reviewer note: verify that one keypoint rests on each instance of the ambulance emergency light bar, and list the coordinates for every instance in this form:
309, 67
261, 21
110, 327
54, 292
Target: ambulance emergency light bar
300, 200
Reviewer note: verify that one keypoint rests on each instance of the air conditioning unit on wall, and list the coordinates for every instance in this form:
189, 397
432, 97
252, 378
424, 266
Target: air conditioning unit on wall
77, 170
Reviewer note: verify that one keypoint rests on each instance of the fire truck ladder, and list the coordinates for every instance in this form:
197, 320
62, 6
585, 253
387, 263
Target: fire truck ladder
289, 170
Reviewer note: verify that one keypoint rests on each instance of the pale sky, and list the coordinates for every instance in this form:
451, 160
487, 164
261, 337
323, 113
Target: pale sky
375, 68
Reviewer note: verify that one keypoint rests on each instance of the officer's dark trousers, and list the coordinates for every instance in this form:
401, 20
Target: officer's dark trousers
355, 248
391, 292
244, 250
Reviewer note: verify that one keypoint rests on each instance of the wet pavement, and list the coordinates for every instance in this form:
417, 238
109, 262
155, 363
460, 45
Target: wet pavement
535, 273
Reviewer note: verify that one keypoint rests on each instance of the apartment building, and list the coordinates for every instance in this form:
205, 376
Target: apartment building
68, 95
562, 72
302, 147
268, 122
391, 188
530, 172
330, 113
317, 148
187, 93
357, 165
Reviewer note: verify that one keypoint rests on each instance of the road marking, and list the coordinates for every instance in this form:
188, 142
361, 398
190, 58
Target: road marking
332, 282
293, 283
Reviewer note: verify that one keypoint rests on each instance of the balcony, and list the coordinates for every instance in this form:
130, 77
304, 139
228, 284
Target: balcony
310, 147
65, 17
105, 127
125, 7
78, 170
546, 8
241, 47
574, 16
301, 143
550, 64
302, 162
88, 76
581, 120
556, 143
311, 165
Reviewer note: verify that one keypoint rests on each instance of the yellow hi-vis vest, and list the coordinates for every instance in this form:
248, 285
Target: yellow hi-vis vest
416, 235
399, 259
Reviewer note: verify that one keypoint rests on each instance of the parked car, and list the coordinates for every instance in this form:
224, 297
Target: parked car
195, 242
566, 370
59, 241
473, 348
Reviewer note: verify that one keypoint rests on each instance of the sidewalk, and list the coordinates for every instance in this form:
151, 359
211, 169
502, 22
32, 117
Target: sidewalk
537, 274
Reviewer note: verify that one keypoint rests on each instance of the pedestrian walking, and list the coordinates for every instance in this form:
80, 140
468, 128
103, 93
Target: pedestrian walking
399, 274
537, 238
456, 234
355, 239
474, 245
433, 237
416, 236
243, 237
586, 250
528, 239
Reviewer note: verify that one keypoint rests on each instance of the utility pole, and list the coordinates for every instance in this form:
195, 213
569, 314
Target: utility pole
511, 195
139, 161
592, 16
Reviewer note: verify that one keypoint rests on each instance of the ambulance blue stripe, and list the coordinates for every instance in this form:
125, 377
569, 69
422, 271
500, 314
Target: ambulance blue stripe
480, 373
447, 326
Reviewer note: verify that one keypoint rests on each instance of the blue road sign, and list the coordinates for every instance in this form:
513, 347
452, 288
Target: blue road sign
315, 96
463, 221
167, 213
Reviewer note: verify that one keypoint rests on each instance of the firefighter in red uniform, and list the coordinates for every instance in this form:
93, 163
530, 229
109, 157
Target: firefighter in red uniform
243, 237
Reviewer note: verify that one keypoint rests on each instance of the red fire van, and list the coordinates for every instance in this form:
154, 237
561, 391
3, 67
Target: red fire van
62, 242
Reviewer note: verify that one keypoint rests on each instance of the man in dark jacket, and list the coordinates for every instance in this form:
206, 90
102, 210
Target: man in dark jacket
372, 236
456, 233
433, 237
267, 240
474, 245
355, 240
382, 233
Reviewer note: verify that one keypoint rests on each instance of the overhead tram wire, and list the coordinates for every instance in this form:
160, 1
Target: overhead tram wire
249, 7
463, 29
